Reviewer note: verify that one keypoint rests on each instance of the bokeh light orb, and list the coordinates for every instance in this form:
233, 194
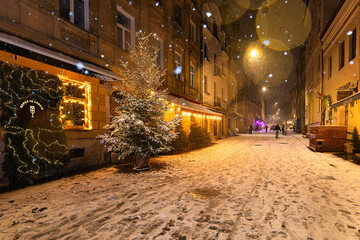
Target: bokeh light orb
268, 67
283, 25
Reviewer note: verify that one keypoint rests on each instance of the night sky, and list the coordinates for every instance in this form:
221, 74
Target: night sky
264, 38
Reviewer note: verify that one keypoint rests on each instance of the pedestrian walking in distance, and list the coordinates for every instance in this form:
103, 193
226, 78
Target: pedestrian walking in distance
283, 130
256, 128
266, 128
250, 129
277, 130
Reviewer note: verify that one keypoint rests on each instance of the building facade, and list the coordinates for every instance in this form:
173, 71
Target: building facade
214, 68
342, 67
83, 42
321, 12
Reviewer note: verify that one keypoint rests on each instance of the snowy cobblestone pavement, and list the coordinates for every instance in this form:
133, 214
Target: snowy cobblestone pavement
244, 187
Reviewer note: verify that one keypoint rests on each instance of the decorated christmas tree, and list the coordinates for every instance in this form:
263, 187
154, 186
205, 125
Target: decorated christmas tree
139, 127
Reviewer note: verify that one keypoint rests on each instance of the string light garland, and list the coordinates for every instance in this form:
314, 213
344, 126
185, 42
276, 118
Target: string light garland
34, 139
75, 111
184, 113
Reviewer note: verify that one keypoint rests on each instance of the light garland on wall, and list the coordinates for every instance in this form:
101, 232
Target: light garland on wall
34, 140
184, 113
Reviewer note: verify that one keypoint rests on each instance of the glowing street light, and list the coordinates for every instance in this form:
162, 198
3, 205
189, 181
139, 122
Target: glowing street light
254, 53
264, 89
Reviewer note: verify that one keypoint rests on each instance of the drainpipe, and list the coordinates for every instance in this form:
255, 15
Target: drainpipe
322, 80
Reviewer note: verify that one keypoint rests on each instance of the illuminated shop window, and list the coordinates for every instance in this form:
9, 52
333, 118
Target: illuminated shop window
75, 110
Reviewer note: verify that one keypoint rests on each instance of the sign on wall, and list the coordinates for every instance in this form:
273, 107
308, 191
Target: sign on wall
343, 94
31, 111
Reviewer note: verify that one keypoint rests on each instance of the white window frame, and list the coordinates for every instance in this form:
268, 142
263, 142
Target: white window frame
192, 31
192, 75
86, 13
177, 64
132, 30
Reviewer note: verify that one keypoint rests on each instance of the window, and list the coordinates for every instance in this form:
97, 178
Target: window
215, 30
114, 102
215, 127
125, 29
192, 75
352, 45
192, 32
177, 66
223, 68
158, 43
341, 55
177, 14
222, 94
75, 110
217, 69
206, 85
75, 11
214, 93
330, 67
206, 56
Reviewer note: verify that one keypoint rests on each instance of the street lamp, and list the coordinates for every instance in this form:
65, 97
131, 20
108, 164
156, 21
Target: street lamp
254, 53
264, 89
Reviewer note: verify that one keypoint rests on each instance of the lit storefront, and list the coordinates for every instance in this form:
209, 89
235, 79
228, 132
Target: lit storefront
83, 108
193, 112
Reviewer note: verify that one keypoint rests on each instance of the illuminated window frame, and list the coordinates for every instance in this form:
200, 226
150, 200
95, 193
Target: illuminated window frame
86, 102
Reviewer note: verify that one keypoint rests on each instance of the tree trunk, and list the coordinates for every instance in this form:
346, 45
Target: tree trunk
142, 162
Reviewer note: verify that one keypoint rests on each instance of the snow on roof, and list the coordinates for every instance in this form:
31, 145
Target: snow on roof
105, 74
183, 103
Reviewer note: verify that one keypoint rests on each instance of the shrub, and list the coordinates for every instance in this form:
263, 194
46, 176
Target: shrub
198, 136
182, 140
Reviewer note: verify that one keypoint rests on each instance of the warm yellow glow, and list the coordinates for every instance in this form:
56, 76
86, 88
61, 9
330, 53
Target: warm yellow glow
86, 102
264, 89
254, 53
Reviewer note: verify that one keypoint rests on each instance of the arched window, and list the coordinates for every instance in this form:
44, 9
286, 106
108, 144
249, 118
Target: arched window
114, 102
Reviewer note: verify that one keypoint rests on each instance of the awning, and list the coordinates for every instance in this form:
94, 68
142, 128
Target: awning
102, 74
185, 104
346, 100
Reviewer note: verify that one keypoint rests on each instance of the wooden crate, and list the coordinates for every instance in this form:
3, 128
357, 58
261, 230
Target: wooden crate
327, 138
304, 130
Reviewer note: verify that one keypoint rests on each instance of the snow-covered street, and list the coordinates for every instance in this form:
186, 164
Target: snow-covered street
243, 187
